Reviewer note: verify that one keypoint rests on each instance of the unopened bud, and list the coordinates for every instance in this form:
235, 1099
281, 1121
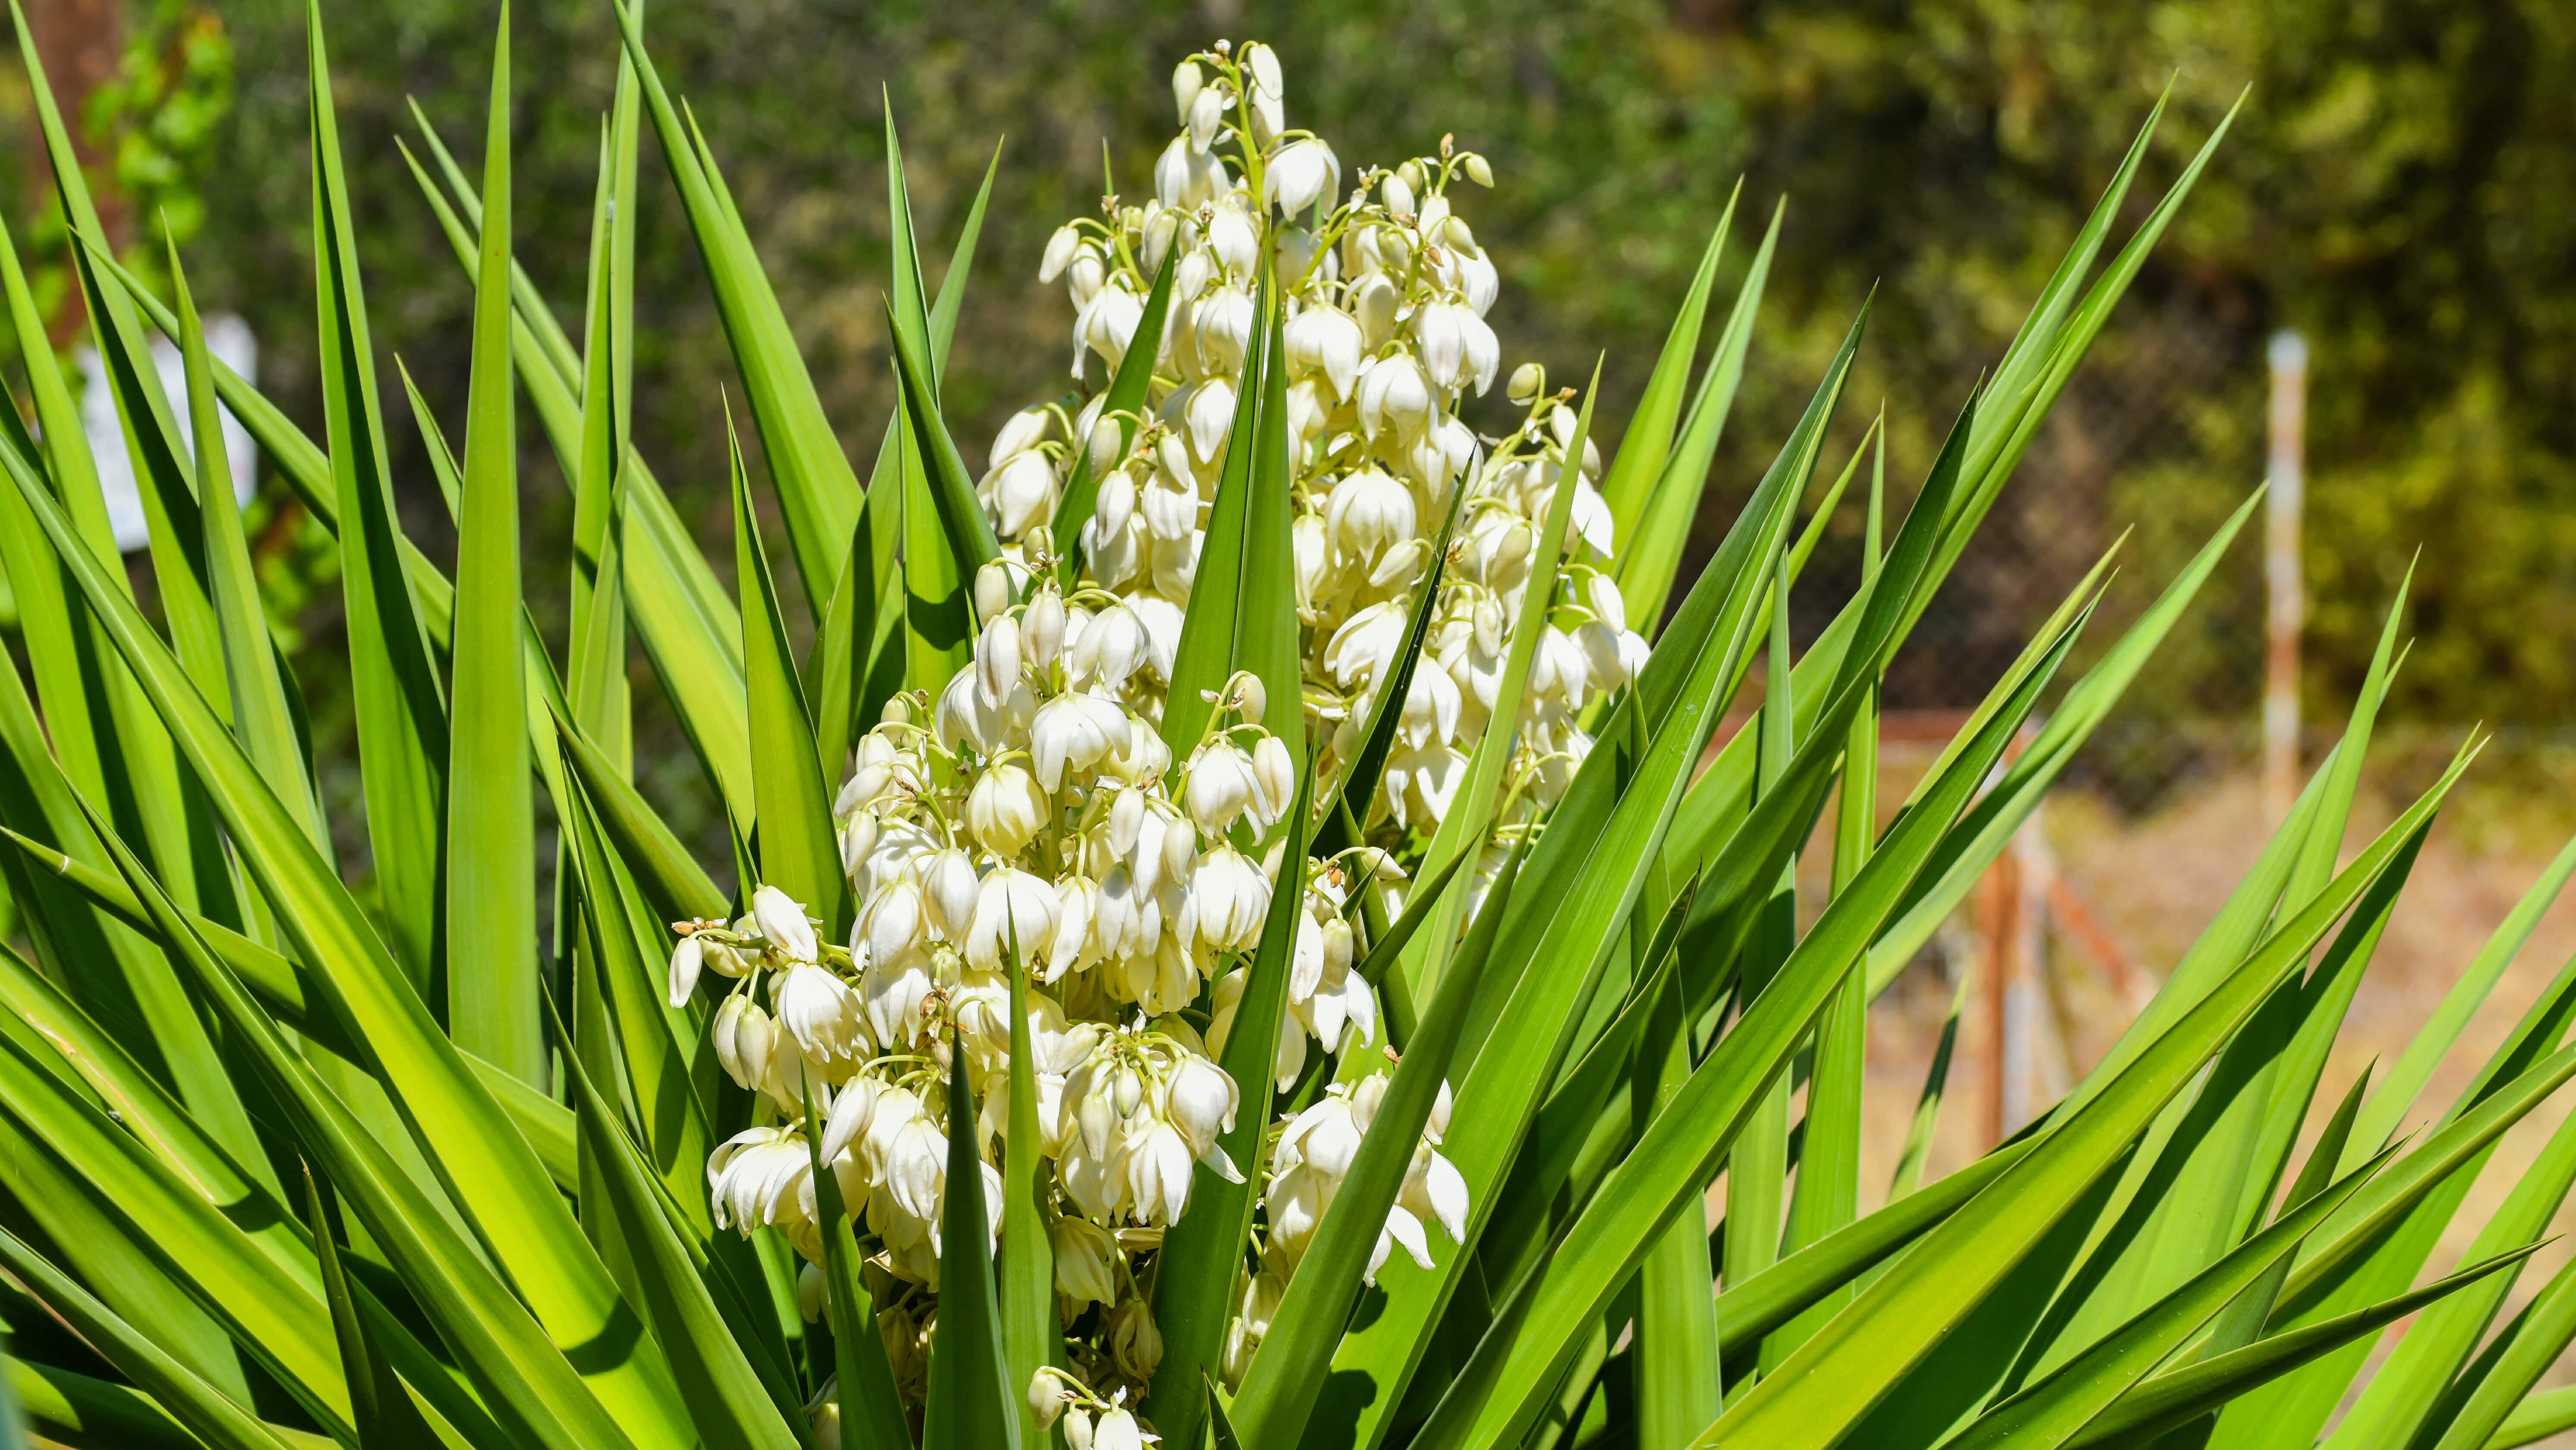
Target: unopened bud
1398, 195
992, 589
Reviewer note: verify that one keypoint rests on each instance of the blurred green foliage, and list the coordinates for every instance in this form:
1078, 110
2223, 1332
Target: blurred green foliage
2397, 187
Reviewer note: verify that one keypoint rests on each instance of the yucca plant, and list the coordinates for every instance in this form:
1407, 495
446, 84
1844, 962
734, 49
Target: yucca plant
1006, 1124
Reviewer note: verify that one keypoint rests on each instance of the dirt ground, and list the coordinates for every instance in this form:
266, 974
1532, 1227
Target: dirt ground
2151, 883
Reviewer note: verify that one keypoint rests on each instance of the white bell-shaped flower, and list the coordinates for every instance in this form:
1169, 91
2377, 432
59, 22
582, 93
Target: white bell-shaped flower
1074, 731
853, 1107
1207, 418
1367, 512
1361, 651
1187, 177
951, 886
1107, 324
1232, 897
1203, 1101
1401, 1228
1220, 785
1234, 239
1395, 399
1300, 174
1274, 778
1086, 1256
1006, 808
894, 992
1324, 342
783, 924
819, 1010
1111, 646
1117, 1430
1021, 491
1159, 1168
1207, 113
1458, 349
1011, 902
1221, 325
1076, 943
1434, 1190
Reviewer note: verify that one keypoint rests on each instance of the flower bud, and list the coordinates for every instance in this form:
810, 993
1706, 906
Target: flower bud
1373, 302
1083, 279
852, 1110
1206, 113
1266, 103
1060, 248
858, 836
1395, 190
1528, 380
1042, 628
745, 1038
997, 656
1477, 170
686, 959
1185, 88
1046, 1398
1251, 697
1160, 229
993, 588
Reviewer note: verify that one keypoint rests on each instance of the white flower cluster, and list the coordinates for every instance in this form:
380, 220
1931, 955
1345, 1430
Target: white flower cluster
1385, 293
1030, 819
1312, 1157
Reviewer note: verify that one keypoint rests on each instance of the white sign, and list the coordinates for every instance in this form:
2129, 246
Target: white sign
228, 341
